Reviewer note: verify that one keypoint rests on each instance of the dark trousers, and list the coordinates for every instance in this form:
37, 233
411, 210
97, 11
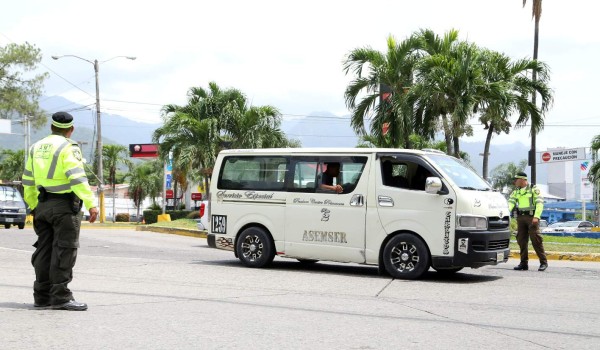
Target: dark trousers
527, 230
57, 228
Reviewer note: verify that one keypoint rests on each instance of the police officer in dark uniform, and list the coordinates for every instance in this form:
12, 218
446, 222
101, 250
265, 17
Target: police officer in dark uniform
55, 187
529, 204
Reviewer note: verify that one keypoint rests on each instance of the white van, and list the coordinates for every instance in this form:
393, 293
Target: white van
403, 210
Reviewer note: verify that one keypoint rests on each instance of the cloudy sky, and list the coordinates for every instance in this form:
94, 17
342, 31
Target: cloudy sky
289, 54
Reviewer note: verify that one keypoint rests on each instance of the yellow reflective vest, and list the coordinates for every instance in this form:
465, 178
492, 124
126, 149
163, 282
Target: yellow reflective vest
55, 162
527, 200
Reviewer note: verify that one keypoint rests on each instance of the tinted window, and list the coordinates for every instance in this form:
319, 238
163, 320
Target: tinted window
253, 173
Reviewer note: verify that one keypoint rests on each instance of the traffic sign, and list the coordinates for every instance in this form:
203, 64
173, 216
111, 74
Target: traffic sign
561, 155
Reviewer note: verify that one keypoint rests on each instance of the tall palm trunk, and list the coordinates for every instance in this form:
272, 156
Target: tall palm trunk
486, 150
447, 135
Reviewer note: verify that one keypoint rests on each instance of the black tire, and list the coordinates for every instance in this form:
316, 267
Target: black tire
21, 226
449, 271
6, 226
406, 256
254, 247
307, 261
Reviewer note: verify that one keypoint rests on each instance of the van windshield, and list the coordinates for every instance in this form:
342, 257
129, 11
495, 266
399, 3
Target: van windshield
9, 194
461, 174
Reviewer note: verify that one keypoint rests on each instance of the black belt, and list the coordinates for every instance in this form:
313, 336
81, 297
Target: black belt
526, 213
59, 195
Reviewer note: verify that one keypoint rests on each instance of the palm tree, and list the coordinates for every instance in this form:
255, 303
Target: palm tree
11, 164
112, 157
144, 180
391, 70
507, 90
196, 132
536, 14
448, 84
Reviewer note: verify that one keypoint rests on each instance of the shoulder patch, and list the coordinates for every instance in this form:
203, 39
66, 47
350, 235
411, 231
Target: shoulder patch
77, 153
536, 190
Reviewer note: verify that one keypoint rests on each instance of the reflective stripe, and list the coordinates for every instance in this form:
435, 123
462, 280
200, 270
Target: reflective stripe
28, 182
58, 188
27, 173
74, 172
79, 180
55, 159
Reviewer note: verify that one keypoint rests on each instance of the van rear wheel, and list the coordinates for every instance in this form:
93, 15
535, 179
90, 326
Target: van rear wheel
405, 256
254, 247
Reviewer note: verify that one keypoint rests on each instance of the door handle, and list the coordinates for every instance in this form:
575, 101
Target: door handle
385, 201
357, 200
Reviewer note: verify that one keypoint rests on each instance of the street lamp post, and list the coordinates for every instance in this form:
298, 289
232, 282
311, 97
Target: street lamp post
99, 127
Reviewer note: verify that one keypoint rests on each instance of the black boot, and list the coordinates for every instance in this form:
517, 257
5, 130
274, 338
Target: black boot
543, 267
522, 267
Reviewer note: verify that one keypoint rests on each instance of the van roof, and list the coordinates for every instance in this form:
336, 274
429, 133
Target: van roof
329, 150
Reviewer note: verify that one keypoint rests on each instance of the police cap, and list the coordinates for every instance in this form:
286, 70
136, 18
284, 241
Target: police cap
62, 120
520, 175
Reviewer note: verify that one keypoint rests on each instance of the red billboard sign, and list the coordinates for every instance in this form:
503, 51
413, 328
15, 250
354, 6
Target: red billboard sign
143, 150
196, 196
170, 194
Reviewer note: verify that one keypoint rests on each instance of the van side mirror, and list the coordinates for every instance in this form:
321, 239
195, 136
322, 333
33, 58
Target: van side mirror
433, 185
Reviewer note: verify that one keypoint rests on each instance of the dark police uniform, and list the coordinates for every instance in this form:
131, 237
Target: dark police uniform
529, 204
55, 187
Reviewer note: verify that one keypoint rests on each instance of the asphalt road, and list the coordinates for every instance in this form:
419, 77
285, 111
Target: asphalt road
149, 290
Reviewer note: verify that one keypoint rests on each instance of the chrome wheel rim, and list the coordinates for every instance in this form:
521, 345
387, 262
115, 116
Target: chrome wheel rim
252, 248
404, 257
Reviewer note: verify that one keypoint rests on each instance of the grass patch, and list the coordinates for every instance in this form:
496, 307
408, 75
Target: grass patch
189, 224
565, 244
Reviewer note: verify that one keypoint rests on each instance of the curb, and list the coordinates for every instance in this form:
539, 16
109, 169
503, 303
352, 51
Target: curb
173, 231
560, 256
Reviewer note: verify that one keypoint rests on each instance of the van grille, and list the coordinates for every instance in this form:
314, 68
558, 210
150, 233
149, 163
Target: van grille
498, 223
491, 245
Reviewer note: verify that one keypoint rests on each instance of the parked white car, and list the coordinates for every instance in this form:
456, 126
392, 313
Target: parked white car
573, 226
552, 227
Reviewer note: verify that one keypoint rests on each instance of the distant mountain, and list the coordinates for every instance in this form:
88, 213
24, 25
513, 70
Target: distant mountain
318, 129
115, 129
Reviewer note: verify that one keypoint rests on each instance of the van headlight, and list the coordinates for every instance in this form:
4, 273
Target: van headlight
471, 222
22, 210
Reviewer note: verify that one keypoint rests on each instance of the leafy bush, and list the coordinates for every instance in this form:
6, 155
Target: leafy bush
154, 206
151, 216
122, 217
195, 214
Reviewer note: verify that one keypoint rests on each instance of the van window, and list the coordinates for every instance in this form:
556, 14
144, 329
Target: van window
347, 173
305, 173
259, 173
462, 176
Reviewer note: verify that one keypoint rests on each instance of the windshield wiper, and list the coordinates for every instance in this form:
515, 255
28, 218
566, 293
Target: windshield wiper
468, 188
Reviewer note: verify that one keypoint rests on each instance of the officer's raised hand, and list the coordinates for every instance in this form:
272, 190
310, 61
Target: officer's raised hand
93, 214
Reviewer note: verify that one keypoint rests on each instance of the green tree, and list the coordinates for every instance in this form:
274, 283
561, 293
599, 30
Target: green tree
374, 71
503, 174
11, 164
536, 14
19, 94
145, 180
212, 120
594, 173
112, 157
507, 90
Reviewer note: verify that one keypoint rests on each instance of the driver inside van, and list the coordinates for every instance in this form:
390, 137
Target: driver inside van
332, 171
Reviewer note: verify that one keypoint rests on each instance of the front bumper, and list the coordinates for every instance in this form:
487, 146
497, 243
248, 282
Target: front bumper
12, 218
476, 249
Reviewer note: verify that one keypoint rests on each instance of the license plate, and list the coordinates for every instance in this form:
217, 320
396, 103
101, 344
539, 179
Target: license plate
499, 256
9, 219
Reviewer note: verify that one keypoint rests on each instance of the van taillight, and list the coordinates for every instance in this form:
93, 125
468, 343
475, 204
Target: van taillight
202, 205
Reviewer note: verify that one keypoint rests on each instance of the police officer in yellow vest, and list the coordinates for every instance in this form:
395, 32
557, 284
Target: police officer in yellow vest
55, 187
529, 205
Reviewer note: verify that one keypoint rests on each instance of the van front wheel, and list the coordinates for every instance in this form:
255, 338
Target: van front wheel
254, 247
405, 256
